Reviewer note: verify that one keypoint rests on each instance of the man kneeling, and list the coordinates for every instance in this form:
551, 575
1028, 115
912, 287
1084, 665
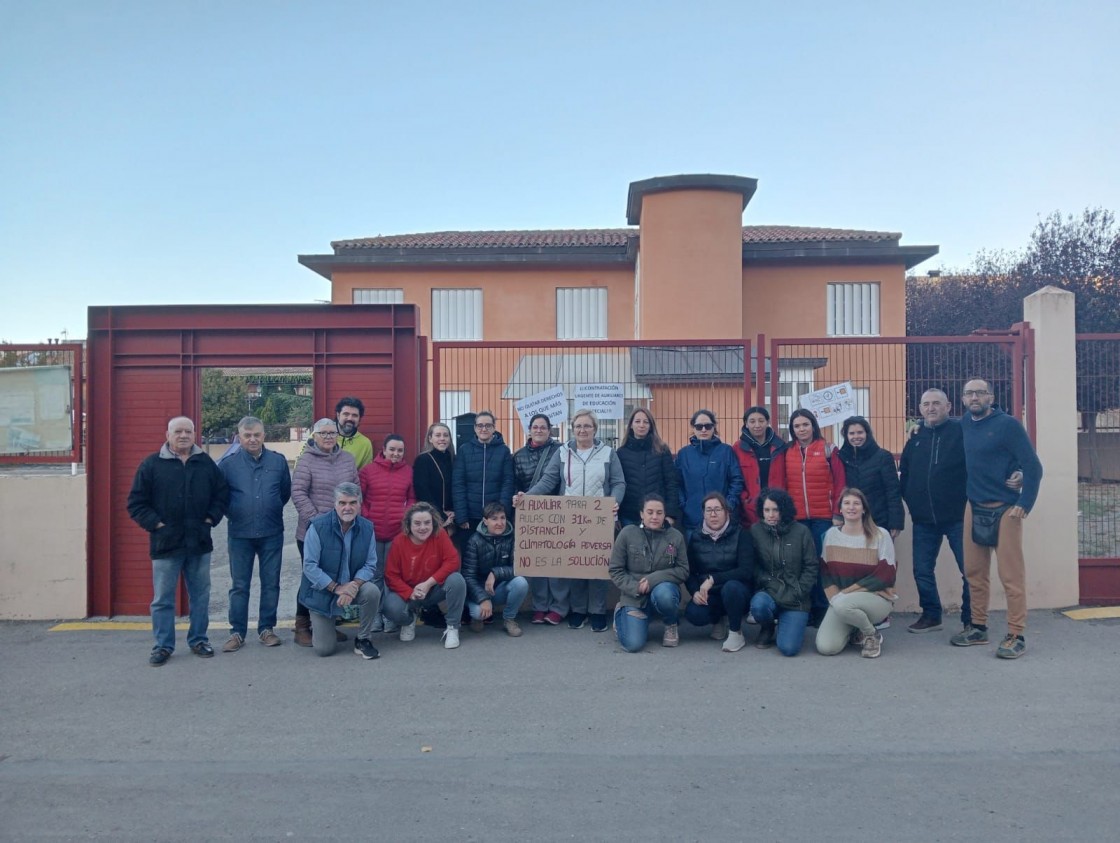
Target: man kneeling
339, 563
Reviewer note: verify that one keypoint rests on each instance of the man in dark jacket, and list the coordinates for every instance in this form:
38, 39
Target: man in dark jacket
178, 495
932, 476
259, 487
483, 473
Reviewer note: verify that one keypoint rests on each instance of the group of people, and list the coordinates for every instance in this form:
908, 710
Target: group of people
795, 534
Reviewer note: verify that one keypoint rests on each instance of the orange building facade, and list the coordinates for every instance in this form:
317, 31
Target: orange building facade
685, 268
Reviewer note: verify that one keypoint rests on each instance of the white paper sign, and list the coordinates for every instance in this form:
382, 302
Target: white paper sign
832, 404
551, 402
606, 399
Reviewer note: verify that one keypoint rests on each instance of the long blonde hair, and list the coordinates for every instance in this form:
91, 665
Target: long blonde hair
870, 530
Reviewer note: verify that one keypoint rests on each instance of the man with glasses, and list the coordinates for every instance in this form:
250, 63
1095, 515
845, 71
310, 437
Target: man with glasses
995, 444
483, 473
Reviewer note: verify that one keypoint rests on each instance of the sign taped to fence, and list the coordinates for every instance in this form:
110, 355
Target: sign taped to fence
551, 402
565, 536
606, 399
832, 404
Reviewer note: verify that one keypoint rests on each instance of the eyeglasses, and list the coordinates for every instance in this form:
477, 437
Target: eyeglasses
327, 434
484, 427
583, 427
709, 509
703, 426
969, 393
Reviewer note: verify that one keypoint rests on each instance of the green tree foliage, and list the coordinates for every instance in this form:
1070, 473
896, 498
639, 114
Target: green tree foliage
224, 402
283, 408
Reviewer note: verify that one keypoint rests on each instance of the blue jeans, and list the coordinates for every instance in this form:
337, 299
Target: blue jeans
510, 594
633, 629
268, 549
791, 623
927, 544
165, 579
730, 599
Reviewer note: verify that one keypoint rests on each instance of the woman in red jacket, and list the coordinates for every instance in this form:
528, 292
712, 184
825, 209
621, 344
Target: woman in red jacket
761, 455
386, 494
814, 479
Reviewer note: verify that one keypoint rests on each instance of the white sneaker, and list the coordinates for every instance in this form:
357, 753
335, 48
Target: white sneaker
408, 631
390, 627
734, 643
751, 620
450, 638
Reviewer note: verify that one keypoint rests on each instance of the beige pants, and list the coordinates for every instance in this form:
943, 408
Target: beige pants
1010, 566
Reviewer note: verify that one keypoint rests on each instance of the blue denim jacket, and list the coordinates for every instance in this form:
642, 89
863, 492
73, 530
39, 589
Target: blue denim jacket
258, 491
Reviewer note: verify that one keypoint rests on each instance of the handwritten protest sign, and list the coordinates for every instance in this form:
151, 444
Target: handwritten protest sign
832, 404
551, 402
606, 399
564, 536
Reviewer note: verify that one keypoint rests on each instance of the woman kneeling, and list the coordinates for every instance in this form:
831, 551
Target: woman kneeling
648, 564
858, 576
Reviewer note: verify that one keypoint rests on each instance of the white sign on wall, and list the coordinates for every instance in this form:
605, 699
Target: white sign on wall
551, 402
606, 399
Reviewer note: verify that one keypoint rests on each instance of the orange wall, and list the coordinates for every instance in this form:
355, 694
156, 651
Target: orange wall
790, 301
517, 303
691, 251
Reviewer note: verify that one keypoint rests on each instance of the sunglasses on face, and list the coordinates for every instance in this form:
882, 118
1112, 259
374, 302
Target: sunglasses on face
703, 426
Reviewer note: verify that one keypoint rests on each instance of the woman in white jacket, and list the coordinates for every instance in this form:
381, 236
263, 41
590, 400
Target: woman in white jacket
583, 466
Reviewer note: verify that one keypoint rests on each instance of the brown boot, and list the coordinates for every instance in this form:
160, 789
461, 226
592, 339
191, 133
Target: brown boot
303, 631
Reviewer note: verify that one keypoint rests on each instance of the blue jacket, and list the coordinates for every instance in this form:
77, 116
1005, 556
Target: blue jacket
482, 473
258, 491
323, 560
994, 447
707, 466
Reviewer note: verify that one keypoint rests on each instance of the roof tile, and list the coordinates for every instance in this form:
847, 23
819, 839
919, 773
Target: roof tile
591, 237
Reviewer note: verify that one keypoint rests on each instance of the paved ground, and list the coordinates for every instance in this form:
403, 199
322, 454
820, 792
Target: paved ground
560, 735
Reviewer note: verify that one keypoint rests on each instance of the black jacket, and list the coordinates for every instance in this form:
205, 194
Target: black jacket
529, 464
181, 495
487, 554
730, 557
871, 469
786, 563
647, 473
431, 479
933, 475
483, 473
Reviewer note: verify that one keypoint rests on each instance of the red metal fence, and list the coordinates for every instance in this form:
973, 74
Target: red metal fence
41, 390
1098, 466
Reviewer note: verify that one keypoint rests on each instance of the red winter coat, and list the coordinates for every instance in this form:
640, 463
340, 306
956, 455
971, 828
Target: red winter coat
386, 494
409, 563
814, 479
752, 483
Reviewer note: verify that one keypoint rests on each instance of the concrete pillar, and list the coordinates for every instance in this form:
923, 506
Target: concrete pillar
1050, 533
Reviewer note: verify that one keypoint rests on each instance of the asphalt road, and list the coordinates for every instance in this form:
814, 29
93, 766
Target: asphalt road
560, 735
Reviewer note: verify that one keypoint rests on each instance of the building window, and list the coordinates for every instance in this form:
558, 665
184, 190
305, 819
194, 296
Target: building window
853, 310
385, 296
581, 313
453, 403
456, 315
793, 385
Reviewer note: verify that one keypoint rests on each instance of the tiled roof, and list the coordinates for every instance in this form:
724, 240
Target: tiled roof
592, 237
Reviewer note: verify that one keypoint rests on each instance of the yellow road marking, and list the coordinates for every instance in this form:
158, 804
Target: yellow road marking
1094, 614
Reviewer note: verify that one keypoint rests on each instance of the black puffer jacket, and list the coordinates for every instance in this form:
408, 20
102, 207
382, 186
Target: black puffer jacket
730, 557
482, 473
871, 469
487, 554
933, 474
181, 495
646, 473
529, 464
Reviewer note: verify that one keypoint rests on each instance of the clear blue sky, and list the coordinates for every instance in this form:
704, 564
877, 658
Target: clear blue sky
187, 152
